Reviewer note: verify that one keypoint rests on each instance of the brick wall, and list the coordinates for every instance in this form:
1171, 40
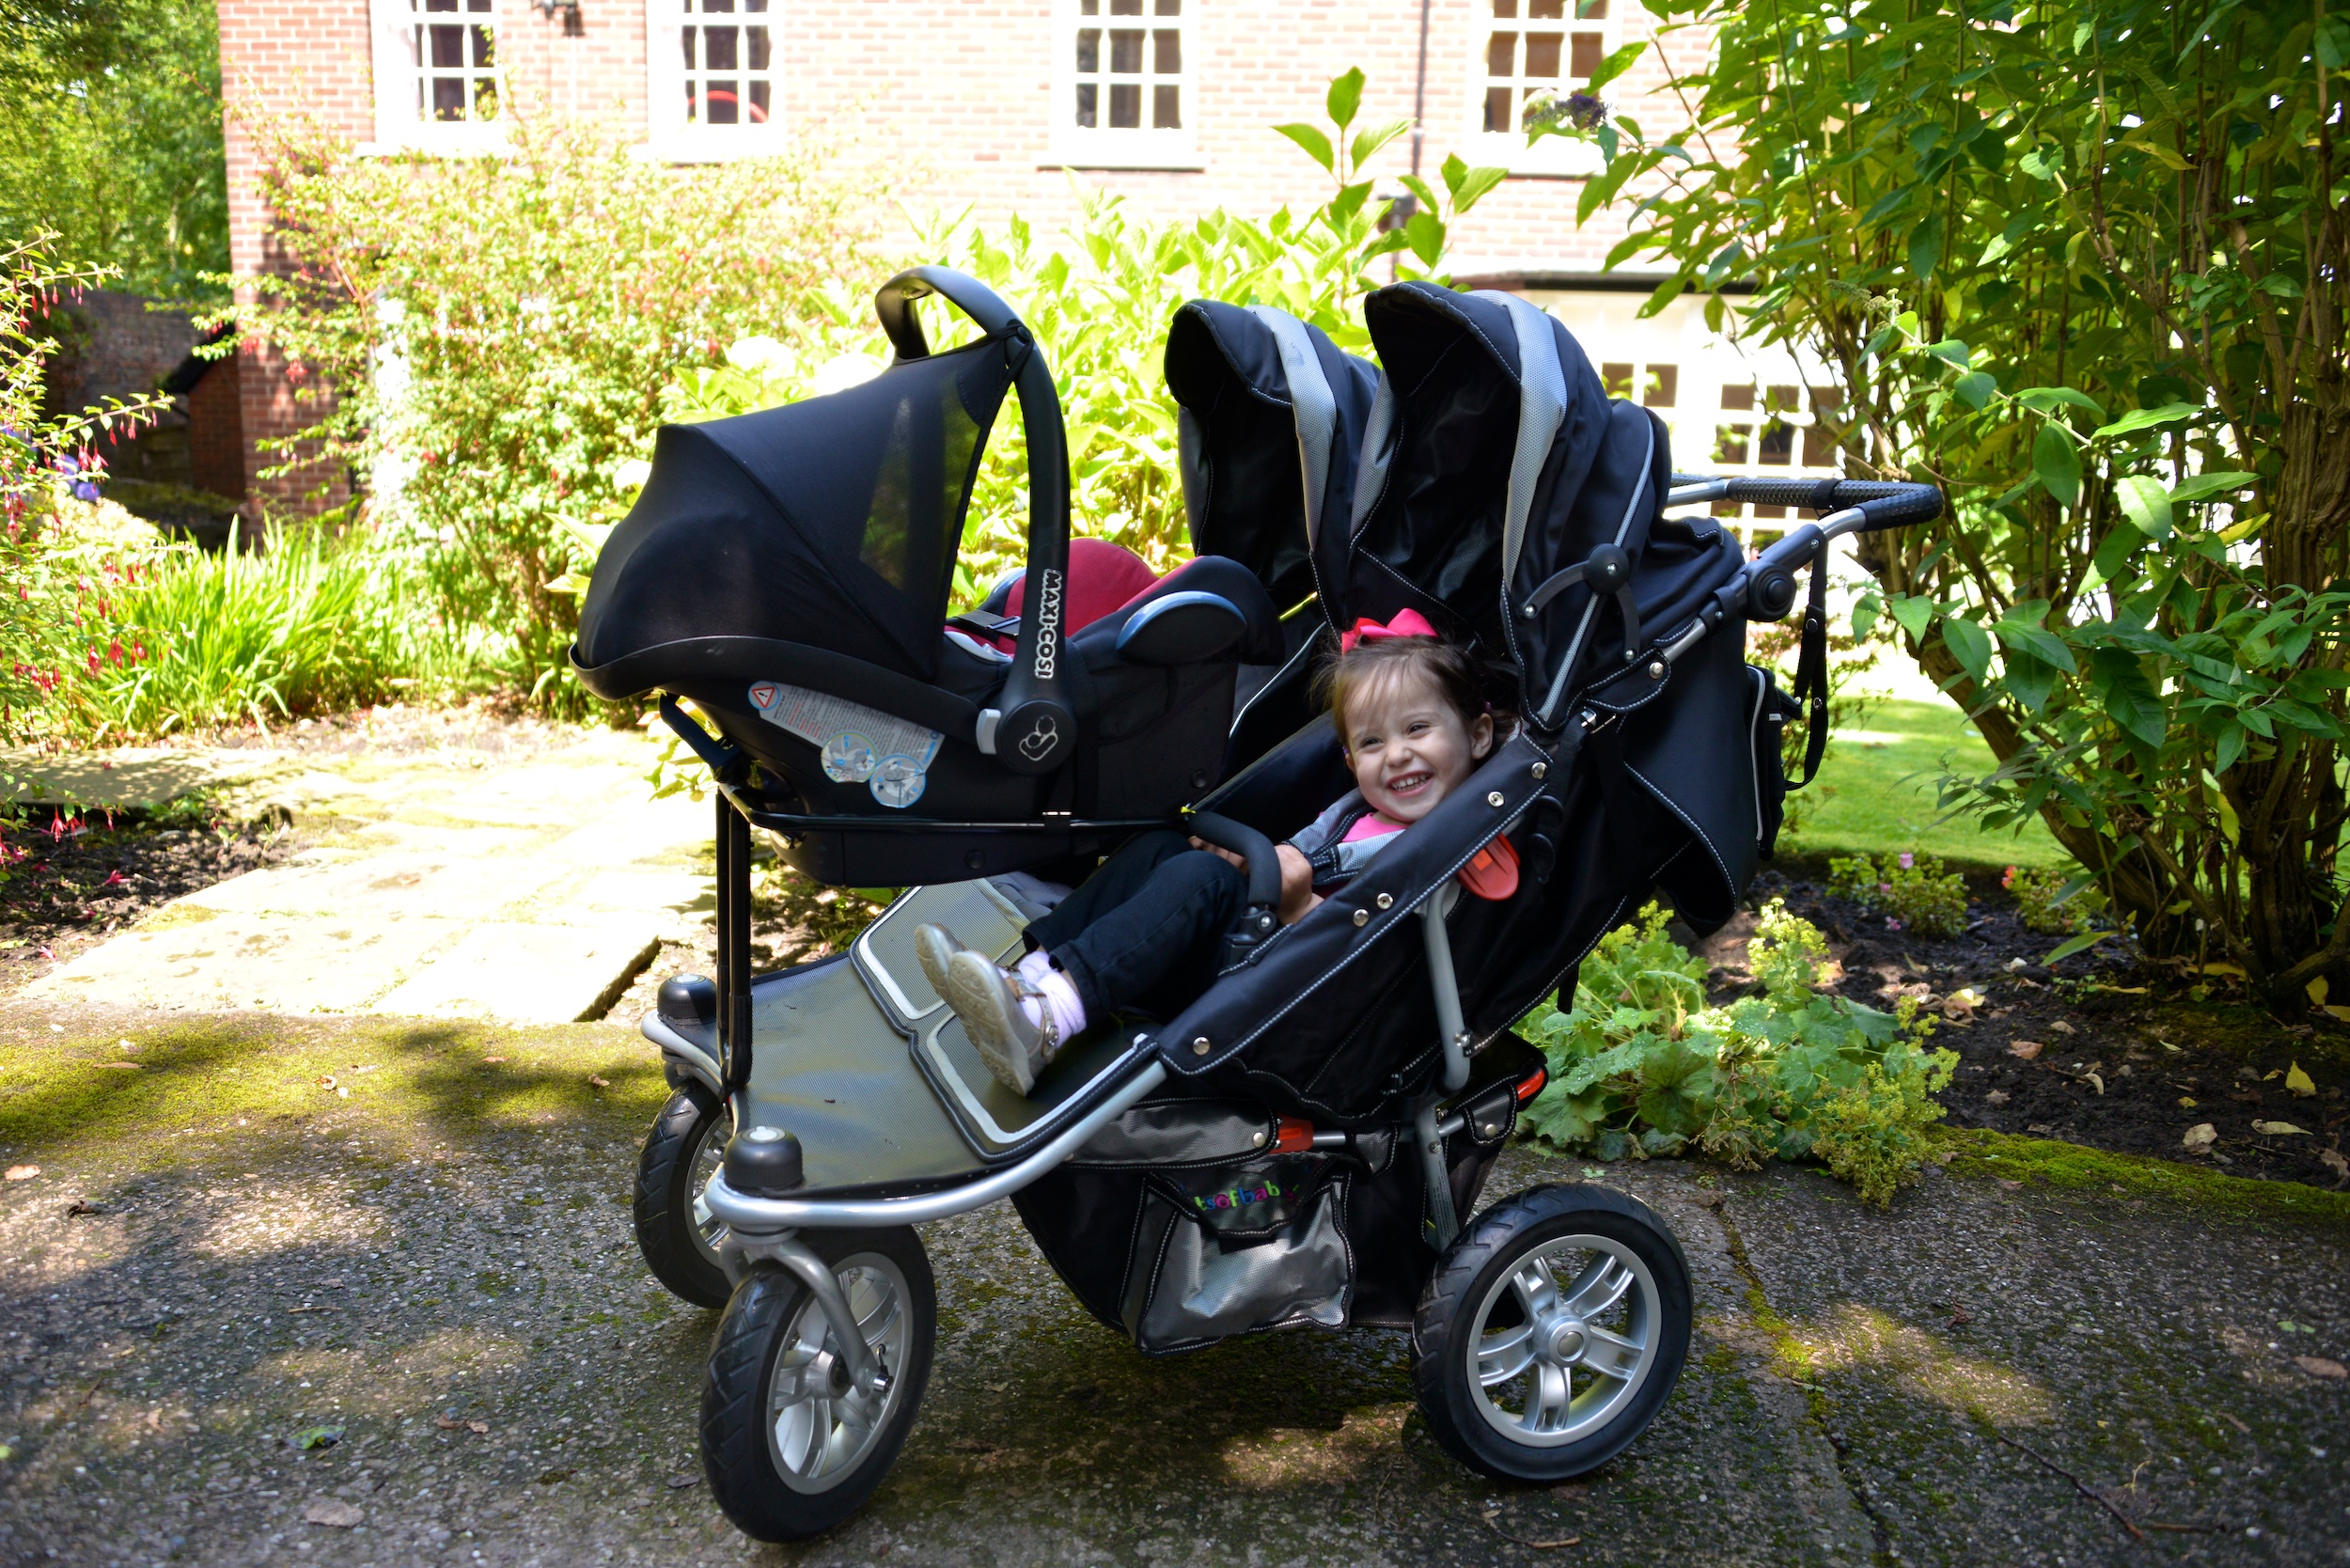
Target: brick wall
947, 103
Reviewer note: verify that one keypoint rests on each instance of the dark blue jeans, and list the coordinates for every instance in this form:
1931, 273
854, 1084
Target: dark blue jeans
1146, 930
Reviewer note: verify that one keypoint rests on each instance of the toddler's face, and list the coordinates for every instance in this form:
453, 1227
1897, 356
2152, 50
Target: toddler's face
1408, 746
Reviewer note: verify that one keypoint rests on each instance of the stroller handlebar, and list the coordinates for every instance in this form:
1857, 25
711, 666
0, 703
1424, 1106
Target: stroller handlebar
1260, 918
1854, 506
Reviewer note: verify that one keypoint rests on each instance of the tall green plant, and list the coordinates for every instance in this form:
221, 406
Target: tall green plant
2083, 263
485, 338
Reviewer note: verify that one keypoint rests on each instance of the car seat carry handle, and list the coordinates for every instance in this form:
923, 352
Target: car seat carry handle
1033, 727
1262, 918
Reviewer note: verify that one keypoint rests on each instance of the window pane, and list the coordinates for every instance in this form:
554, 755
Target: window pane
1778, 445
759, 47
1541, 56
724, 103
1729, 443
1500, 51
1497, 109
448, 48
1086, 97
719, 48
1125, 53
1126, 8
1126, 107
1088, 50
1664, 384
440, 4
1591, 10
482, 47
1544, 11
718, 4
448, 98
754, 5
688, 34
1741, 396
759, 102
1505, 8
485, 99
1615, 379
1166, 52
1166, 108
1169, 7
479, 4
1586, 55
1090, 7
693, 104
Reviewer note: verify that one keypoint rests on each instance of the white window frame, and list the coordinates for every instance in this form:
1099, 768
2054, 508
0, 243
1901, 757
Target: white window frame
1099, 147
401, 124
670, 134
1564, 156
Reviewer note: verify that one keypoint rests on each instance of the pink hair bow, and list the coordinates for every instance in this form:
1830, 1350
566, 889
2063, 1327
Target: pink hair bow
1407, 623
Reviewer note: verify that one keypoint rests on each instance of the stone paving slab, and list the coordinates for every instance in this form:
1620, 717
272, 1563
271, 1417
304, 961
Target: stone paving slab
438, 884
132, 778
1861, 1389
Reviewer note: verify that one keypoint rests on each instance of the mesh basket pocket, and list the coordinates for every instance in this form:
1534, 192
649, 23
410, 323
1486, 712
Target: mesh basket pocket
1258, 1244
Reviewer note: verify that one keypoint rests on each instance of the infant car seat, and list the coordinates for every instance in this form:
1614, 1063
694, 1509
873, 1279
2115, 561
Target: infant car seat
789, 571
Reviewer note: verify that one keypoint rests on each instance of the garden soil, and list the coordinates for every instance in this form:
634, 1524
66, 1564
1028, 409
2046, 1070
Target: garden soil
2114, 1055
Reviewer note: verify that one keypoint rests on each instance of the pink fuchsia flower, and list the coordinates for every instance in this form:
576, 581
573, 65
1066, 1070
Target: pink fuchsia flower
1891, 924
2008, 880
1907, 861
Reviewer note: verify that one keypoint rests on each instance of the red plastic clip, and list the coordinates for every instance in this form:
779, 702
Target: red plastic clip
1292, 1134
1492, 871
1533, 1086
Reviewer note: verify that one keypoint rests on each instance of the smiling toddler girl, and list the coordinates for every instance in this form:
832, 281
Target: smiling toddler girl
1146, 931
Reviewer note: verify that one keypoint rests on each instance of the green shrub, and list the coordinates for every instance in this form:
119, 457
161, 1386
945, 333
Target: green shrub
1642, 1067
1911, 891
2053, 903
484, 338
310, 624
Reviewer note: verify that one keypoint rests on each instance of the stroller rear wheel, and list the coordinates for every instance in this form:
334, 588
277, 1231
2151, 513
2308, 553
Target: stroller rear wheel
1552, 1333
792, 1445
675, 1229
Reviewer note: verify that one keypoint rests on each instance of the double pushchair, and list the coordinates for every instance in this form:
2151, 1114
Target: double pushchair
1305, 1144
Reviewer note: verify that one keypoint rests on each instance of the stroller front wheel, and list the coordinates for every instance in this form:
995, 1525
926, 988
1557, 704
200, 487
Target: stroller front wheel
1552, 1332
791, 1445
675, 1230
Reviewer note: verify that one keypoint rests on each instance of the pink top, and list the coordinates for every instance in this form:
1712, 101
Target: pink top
1370, 826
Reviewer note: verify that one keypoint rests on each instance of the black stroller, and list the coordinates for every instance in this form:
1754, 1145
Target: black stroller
1301, 1146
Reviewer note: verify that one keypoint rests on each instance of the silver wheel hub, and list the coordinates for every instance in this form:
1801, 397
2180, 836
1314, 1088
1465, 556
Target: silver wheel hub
710, 1155
1563, 1341
820, 1425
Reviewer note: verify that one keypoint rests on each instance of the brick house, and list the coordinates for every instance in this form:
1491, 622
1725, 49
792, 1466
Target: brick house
998, 104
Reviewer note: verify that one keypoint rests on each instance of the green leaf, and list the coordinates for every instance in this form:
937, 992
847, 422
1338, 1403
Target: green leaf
2056, 464
1925, 248
1975, 388
1367, 143
2072, 945
1472, 184
1614, 65
1425, 235
1418, 187
2230, 745
2029, 680
2113, 557
1317, 145
2145, 502
1951, 351
2146, 419
1969, 644
2130, 699
1865, 611
1912, 612
2209, 484
1344, 98
2038, 642
2047, 399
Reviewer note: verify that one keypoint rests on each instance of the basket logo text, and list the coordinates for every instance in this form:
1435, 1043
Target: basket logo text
1236, 1198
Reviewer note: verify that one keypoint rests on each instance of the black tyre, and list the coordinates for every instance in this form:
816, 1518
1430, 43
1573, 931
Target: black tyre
1552, 1333
791, 1446
678, 1235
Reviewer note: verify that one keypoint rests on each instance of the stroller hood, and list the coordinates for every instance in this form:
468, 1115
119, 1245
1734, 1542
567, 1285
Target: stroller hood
1494, 462
838, 514
1270, 417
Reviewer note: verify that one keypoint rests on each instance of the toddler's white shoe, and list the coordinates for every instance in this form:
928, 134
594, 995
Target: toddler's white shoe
988, 999
934, 948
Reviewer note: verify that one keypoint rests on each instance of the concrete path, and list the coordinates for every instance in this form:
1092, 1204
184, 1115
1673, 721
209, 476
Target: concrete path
443, 884
219, 1257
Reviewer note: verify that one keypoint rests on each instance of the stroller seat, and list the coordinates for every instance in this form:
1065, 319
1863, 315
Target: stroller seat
789, 571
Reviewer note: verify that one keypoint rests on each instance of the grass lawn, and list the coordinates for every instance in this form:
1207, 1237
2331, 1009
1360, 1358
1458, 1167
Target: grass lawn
1876, 793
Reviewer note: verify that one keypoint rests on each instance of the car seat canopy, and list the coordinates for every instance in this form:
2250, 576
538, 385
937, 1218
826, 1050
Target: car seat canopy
842, 512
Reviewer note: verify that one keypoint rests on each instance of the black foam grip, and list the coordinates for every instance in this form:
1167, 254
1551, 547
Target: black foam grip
1264, 863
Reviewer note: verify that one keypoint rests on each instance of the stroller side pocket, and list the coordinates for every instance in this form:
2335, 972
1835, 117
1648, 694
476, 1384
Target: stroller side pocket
1258, 1244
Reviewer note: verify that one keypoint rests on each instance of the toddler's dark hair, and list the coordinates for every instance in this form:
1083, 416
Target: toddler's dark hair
1369, 664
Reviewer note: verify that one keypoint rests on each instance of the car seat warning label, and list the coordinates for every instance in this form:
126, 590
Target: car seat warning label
857, 744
